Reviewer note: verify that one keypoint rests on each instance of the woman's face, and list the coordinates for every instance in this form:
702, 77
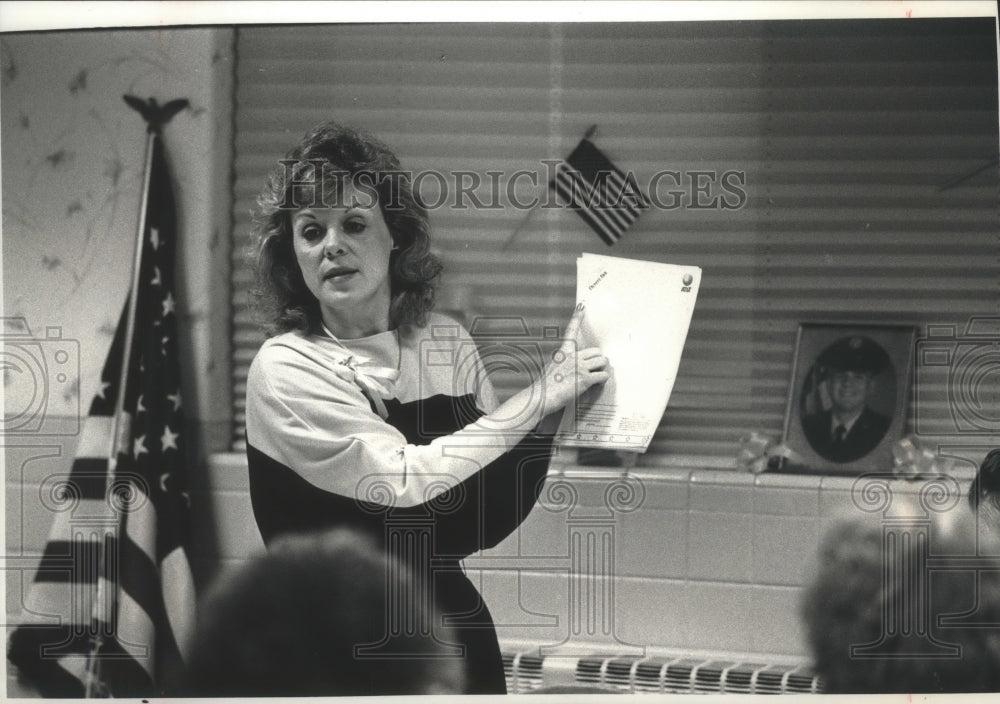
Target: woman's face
343, 252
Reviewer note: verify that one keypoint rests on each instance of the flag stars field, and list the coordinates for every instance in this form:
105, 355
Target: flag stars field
168, 441
139, 447
136, 574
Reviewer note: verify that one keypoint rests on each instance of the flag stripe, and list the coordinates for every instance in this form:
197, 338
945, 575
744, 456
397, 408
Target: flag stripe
601, 214
176, 570
48, 675
95, 438
99, 578
88, 477
609, 235
140, 580
51, 603
607, 198
605, 230
119, 667
69, 561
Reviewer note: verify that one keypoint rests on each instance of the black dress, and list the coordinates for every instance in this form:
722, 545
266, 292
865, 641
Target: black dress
324, 451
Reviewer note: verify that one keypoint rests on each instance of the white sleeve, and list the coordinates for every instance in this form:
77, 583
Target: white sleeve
479, 385
321, 426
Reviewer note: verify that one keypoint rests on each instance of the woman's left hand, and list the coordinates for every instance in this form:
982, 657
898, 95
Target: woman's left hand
571, 371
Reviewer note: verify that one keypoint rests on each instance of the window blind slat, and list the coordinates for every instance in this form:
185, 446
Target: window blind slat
845, 130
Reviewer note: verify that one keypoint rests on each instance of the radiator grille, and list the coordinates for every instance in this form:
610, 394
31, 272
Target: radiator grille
648, 676
771, 680
526, 672
708, 677
741, 678
677, 675
618, 673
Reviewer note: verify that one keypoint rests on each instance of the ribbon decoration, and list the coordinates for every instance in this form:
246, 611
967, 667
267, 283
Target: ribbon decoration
377, 383
757, 453
912, 461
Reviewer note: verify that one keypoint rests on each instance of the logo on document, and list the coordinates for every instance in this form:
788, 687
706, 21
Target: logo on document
686, 280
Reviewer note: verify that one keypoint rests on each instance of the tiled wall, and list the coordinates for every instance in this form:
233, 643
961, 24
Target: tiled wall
705, 560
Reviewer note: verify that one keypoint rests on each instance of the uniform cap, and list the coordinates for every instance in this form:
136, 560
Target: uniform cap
853, 354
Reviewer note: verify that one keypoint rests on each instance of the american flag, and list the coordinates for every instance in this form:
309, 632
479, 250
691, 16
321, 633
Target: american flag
605, 197
113, 600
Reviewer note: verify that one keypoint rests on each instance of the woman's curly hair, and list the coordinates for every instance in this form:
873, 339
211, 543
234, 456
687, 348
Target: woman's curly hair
280, 296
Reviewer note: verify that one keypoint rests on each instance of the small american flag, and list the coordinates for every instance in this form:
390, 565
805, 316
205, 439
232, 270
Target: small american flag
605, 197
113, 599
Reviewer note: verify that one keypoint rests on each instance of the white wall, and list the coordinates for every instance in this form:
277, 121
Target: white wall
72, 160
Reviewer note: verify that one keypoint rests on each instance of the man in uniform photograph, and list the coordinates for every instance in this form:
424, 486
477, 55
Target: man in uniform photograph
850, 428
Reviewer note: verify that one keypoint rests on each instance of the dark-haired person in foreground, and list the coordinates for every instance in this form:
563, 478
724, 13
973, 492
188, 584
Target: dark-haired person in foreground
289, 622
365, 408
984, 492
882, 621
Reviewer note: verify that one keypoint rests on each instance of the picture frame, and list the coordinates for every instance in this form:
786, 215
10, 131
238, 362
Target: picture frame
847, 399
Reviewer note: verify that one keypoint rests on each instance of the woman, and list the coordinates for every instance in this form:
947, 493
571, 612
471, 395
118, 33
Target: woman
365, 409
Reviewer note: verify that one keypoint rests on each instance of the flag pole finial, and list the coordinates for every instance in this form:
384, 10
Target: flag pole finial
156, 115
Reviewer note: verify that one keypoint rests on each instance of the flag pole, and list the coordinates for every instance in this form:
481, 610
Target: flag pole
120, 424
591, 131
524, 222
962, 179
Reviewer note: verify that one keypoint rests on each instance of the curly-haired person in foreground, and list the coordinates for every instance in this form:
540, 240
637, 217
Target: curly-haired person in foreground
883, 617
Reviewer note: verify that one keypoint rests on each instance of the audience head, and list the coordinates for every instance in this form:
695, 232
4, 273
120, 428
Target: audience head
862, 594
288, 623
985, 489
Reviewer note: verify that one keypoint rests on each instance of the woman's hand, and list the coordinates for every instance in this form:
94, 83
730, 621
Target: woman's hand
571, 371
537, 406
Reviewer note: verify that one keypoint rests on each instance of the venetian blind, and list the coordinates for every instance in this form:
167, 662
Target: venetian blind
840, 133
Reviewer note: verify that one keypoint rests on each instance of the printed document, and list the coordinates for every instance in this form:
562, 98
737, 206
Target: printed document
638, 313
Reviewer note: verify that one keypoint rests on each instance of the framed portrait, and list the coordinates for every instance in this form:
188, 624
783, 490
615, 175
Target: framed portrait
847, 398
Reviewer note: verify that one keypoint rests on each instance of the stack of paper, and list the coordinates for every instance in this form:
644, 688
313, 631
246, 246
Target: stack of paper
638, 313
